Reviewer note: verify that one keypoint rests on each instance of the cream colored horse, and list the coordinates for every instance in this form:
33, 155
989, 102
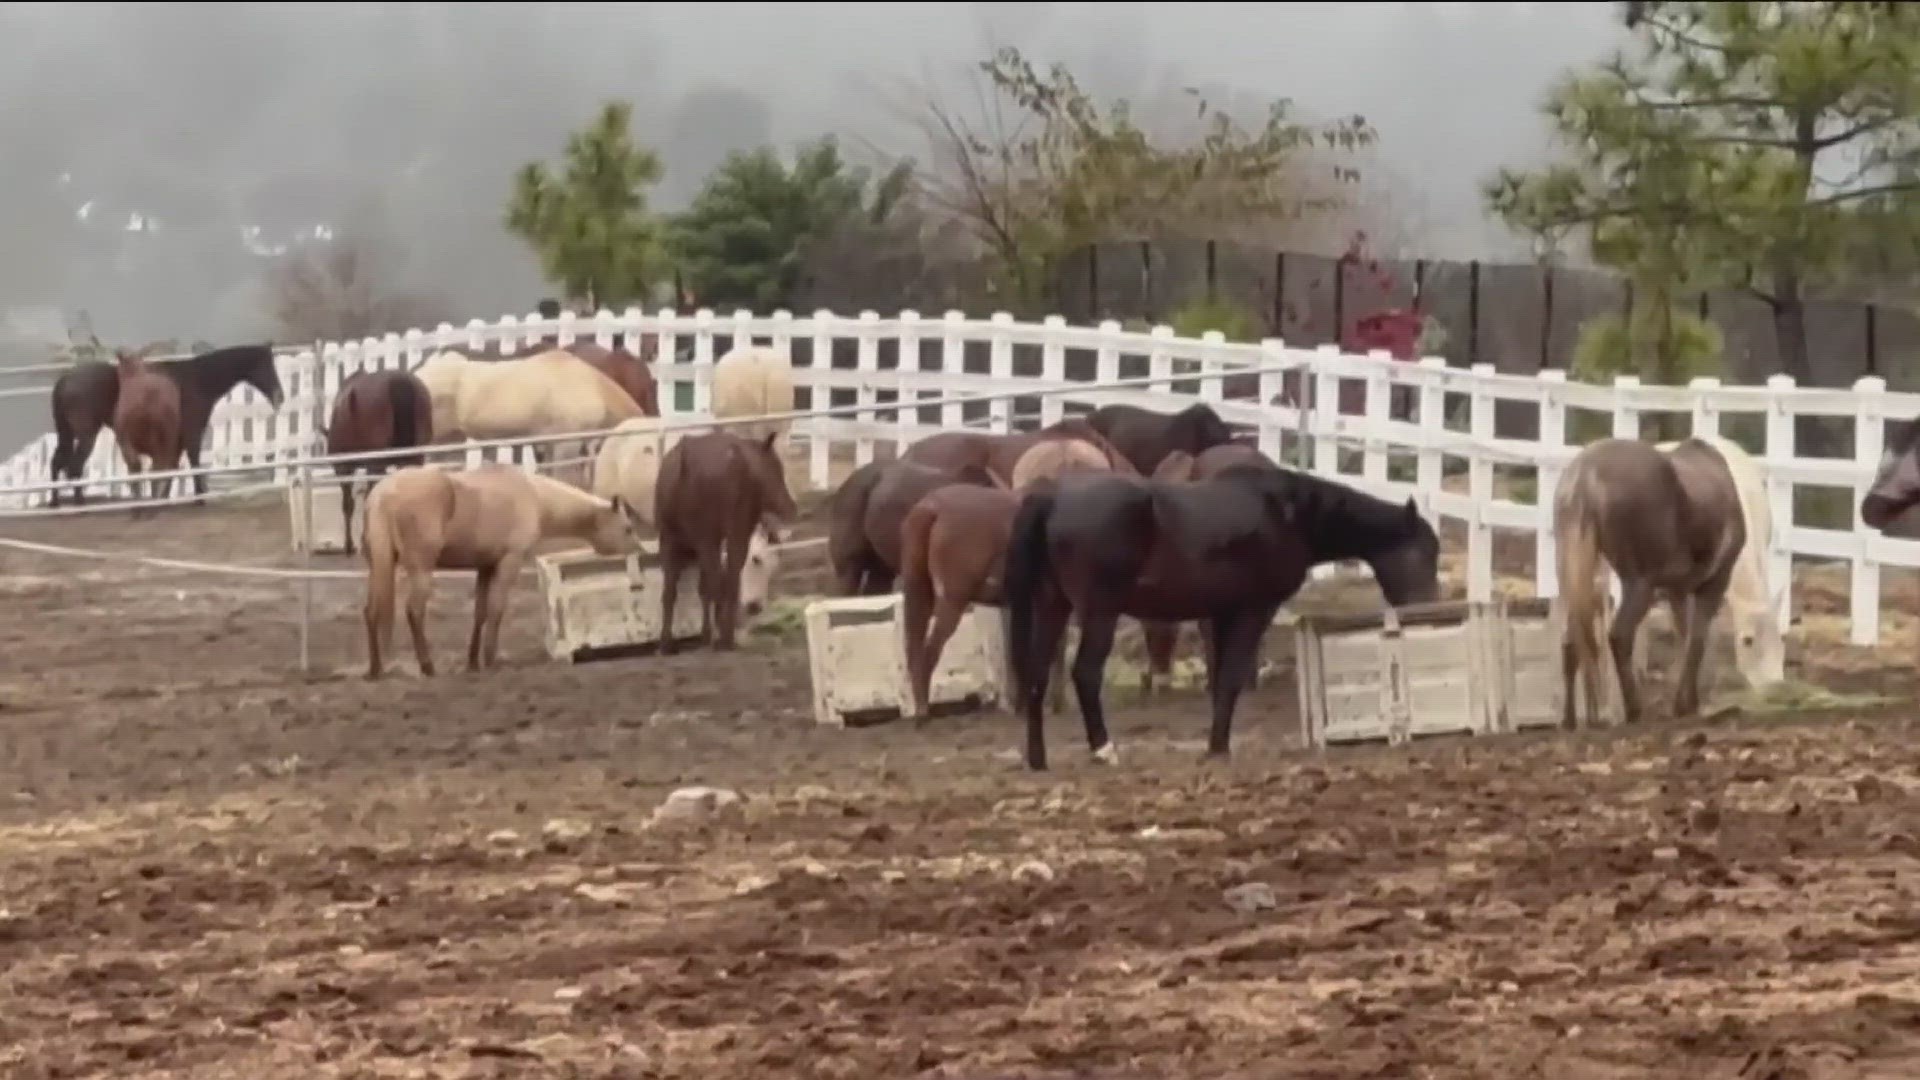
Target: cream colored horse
754, 381
549, 393
627, 467
486, 520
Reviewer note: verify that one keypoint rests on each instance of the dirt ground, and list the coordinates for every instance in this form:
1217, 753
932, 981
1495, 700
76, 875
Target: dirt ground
211, 867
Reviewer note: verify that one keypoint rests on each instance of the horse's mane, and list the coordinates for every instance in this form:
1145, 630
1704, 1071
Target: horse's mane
221, 368
1322, 507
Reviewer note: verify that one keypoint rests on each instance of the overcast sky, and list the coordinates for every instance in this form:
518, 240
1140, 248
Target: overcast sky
192, 132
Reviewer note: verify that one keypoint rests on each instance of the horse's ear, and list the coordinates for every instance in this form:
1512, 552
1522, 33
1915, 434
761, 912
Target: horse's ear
768, 440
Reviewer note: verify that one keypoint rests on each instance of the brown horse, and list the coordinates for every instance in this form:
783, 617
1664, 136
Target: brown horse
1230, 550
1162, 637
376, 410
953, 542
1672, 526
487, 520
863, 536
146, 422
949, 450
84, 397
714, 490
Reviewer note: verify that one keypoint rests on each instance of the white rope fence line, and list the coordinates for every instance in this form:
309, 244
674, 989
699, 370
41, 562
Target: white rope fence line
272, 572
666, 424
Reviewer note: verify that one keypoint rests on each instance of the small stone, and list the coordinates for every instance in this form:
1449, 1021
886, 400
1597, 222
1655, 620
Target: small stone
564, 831
353, 950
1666, 854
569, 993
694, 804
1251, 897
812, 793
893, 875
1033, 870
620, 894
503, 837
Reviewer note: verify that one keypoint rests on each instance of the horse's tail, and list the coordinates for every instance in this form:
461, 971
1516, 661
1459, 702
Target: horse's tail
1577, 564
846, 529
381, 550
1024, 578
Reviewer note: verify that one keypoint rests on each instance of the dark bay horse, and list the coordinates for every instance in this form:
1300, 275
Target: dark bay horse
84, 397
1672, 526
1229, 550
1146, 436
1896, 485
715, 489
210, 376
998, 454
863, 537
376, 410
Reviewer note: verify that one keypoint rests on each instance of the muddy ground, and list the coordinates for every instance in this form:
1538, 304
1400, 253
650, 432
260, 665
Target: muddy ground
211, 867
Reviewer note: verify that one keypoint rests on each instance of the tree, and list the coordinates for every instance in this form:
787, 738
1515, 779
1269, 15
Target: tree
590, 224
1754, 143
747, 235
342, 288
1068, 173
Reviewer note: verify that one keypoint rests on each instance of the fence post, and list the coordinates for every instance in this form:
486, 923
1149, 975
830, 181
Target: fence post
1781, 451
866, 361
1626, 414
303, 482
819, 448
1053, 368
1273, 352
953, 361
1869, 436
906, 368
1000, 366
1326, 410
1428, 459
1379, 400
703, 361
1546, 478
1480, 487
1706, 406
1213, 384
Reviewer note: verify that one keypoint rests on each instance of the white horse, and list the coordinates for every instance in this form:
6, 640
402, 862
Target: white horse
549, 393
754, 380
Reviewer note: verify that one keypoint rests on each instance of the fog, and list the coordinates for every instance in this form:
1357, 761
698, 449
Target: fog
157, 153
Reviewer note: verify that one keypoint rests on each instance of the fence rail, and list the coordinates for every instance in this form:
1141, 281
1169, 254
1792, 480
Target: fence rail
872, 380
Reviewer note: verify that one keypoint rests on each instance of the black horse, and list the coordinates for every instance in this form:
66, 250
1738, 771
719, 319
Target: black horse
1229, 550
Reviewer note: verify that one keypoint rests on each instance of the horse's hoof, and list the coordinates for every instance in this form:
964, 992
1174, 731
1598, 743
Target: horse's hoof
1107, 755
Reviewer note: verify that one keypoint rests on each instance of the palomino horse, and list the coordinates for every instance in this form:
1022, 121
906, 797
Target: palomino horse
146, 422
754, 380
1230, 550
953, 544
84, 397
1672, 526
998, 454
487, 520
376, 410
551, 393
863, 535
716, 491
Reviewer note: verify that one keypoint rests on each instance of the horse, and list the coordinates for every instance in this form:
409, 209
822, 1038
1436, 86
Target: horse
1146, 436
1230, 550
863, 537
716, 490
84, 397
207, 378
631, 373
487, 520
146, 421
952, 545
1671, 525
998, 453
549, 393
754, 380
1896, 483
376, 410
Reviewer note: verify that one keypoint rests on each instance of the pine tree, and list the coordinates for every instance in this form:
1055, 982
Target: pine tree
590, 224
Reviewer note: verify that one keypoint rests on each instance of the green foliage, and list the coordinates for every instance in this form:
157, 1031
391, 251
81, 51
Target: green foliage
745, 238
1751, 142
1235, 321
1070, 173
590, 224
1670, 354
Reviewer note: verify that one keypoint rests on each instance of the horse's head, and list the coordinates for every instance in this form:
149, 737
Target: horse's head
264, 375
616, 528
756, 577
1196, 428
1896, 486
1404, 552
770, 477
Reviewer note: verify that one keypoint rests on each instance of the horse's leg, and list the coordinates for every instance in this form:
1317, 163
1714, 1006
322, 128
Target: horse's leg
1051, 611
419, 591
379, 611
346, 505
947, 612
1636, 598
916, 608
1704, 608
673, 561
726, 586
1235, 653
483, 580
505, 573
77, 463
1160, 640
1097, 622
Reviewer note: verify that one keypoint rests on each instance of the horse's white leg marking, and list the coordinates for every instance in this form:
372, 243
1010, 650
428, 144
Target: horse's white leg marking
1108, 754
